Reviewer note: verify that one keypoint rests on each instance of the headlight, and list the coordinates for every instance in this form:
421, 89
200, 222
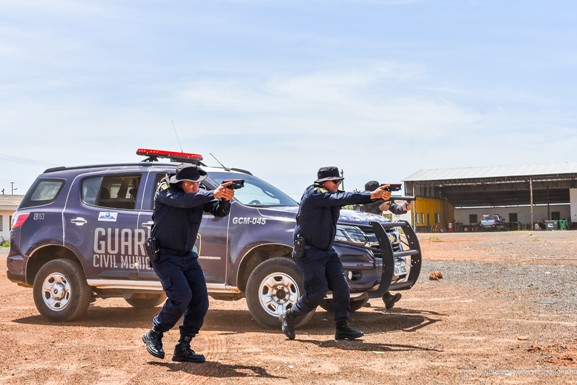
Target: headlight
351, 234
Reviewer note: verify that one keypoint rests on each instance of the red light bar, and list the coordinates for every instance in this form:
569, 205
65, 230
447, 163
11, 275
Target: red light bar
168, 154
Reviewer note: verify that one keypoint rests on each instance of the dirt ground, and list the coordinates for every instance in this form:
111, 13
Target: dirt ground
446, 331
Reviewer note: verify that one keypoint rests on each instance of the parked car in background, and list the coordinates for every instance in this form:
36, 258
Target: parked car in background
492, 222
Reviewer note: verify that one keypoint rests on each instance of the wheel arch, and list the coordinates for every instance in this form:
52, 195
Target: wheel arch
44, 255
256, 256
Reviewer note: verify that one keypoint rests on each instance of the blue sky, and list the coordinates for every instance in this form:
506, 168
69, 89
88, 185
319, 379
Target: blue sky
379, 88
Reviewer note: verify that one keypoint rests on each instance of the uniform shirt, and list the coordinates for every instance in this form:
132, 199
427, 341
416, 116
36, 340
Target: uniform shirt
319, 212
177, 215
373, 207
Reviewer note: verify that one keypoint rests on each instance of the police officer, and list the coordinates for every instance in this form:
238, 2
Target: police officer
378, 207
322, 270
178, 208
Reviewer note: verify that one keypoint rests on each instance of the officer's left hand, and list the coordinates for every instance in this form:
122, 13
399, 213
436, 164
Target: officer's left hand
385, 206
224, 192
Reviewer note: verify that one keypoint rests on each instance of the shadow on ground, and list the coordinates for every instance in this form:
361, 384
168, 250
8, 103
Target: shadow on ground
372, 320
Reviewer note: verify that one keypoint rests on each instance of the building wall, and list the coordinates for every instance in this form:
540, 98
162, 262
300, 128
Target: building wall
523, 213
5, 217
8, 205
433, 214
573, 200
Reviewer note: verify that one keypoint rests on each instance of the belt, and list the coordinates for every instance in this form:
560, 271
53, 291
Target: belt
174, 252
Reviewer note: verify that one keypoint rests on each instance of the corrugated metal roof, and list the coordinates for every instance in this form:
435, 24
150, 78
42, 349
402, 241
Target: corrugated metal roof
492, 172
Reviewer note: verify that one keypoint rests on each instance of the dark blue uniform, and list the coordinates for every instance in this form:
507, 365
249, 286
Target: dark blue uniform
322, 270
373, 208
177, 216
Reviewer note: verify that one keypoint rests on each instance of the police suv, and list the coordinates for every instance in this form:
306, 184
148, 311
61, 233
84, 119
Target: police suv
80, 232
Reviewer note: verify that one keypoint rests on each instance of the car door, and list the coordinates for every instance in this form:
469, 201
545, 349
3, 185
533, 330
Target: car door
144, 221
100, 223
211, 242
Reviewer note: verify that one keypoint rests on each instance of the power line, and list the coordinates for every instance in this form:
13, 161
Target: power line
24, 160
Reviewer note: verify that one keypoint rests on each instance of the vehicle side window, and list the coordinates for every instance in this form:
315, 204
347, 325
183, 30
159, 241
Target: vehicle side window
159, 177
43, 192
90, 189
115, 191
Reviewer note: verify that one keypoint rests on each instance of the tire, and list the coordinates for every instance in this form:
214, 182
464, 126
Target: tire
355, 303
145, 301
60, 291
273, 287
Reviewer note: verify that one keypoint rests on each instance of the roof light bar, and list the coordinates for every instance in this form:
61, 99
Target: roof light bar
174, 156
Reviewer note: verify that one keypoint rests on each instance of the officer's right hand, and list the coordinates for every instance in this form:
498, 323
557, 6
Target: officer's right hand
223, 192
381, 192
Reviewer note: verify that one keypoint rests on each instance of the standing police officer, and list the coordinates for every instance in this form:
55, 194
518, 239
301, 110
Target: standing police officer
314, 235
178, 209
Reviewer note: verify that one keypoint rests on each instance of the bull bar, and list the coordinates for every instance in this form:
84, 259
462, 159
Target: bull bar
388, 254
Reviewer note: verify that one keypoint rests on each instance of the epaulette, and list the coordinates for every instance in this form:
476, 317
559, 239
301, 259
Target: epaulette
321, 189
164, 183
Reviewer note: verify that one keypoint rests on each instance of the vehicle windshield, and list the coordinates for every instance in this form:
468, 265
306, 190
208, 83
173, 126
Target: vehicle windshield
256, 192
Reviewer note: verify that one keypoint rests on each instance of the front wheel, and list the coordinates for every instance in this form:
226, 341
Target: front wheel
273, 287
60, 291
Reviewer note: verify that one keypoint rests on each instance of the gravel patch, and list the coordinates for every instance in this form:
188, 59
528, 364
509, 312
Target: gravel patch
552, 287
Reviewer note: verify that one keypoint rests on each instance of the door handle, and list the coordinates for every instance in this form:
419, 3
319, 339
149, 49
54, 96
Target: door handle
78, 221
148, 224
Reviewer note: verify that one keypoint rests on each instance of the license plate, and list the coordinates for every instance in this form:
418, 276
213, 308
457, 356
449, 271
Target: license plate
400, 266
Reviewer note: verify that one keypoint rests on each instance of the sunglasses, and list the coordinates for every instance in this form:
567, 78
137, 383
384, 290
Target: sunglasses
337, 181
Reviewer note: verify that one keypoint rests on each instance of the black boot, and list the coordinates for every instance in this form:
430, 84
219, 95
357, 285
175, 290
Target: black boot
183, 352
345, 331
153, 341
288, 321
390, 299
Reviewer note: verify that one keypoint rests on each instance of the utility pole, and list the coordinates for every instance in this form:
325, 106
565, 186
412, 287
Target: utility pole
531, 202
12, 183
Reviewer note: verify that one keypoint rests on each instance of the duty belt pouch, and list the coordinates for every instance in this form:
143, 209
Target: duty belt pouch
152, 250
299, 247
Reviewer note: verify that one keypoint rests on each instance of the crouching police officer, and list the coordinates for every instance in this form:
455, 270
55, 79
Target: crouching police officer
178, 209
378, 207
314, 235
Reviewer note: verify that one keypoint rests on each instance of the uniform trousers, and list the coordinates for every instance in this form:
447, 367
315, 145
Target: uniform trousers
183, 282
322, 271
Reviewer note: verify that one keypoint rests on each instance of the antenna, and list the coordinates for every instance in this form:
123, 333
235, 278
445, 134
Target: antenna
178, 140
222, 165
